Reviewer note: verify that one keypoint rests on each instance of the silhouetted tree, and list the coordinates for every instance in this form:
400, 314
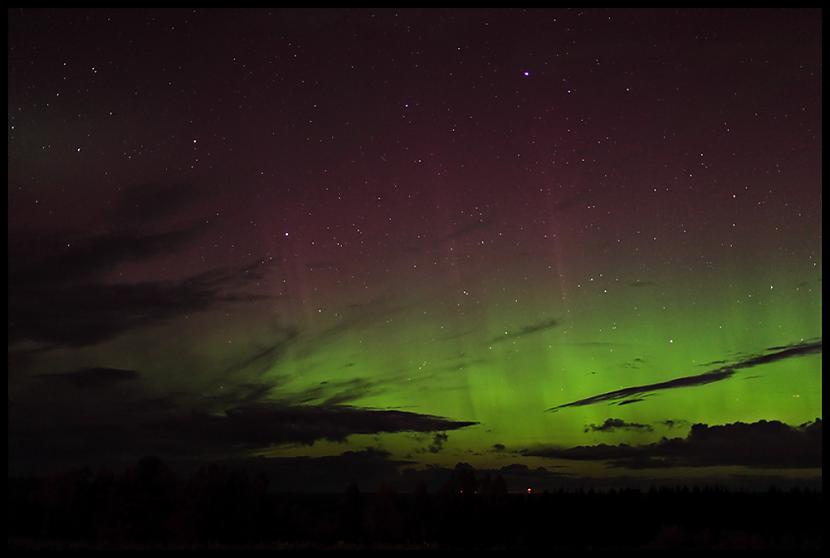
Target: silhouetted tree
148, 494
499, 487
385, 522
351, 515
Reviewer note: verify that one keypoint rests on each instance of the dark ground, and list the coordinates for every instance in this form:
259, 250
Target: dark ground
149, 507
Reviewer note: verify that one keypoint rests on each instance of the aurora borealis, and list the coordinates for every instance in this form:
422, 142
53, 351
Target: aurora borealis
500, 237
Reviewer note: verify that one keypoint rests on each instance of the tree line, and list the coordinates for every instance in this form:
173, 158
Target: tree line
149, 505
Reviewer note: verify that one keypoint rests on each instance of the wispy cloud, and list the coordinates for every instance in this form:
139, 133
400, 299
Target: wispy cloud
62, 293
719, 374
613, 424
437, 444
92, 377
526, 330
88, 313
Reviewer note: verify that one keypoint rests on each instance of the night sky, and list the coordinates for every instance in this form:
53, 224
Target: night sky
586, 241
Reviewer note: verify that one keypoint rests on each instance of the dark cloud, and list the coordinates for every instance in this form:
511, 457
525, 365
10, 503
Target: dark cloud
90, 313
639, 283
630, 401
436, 445
717, 375
347, 391
243, 394
92, 377
438, 442
793, 345
674, 423
625, 393
498, 448
713, 363
56, 259
266, 355
762, 444
526, 330
61, 292
781, 353
340, 392
242, 414
265, 424
53, 428
612, 424
360, 316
